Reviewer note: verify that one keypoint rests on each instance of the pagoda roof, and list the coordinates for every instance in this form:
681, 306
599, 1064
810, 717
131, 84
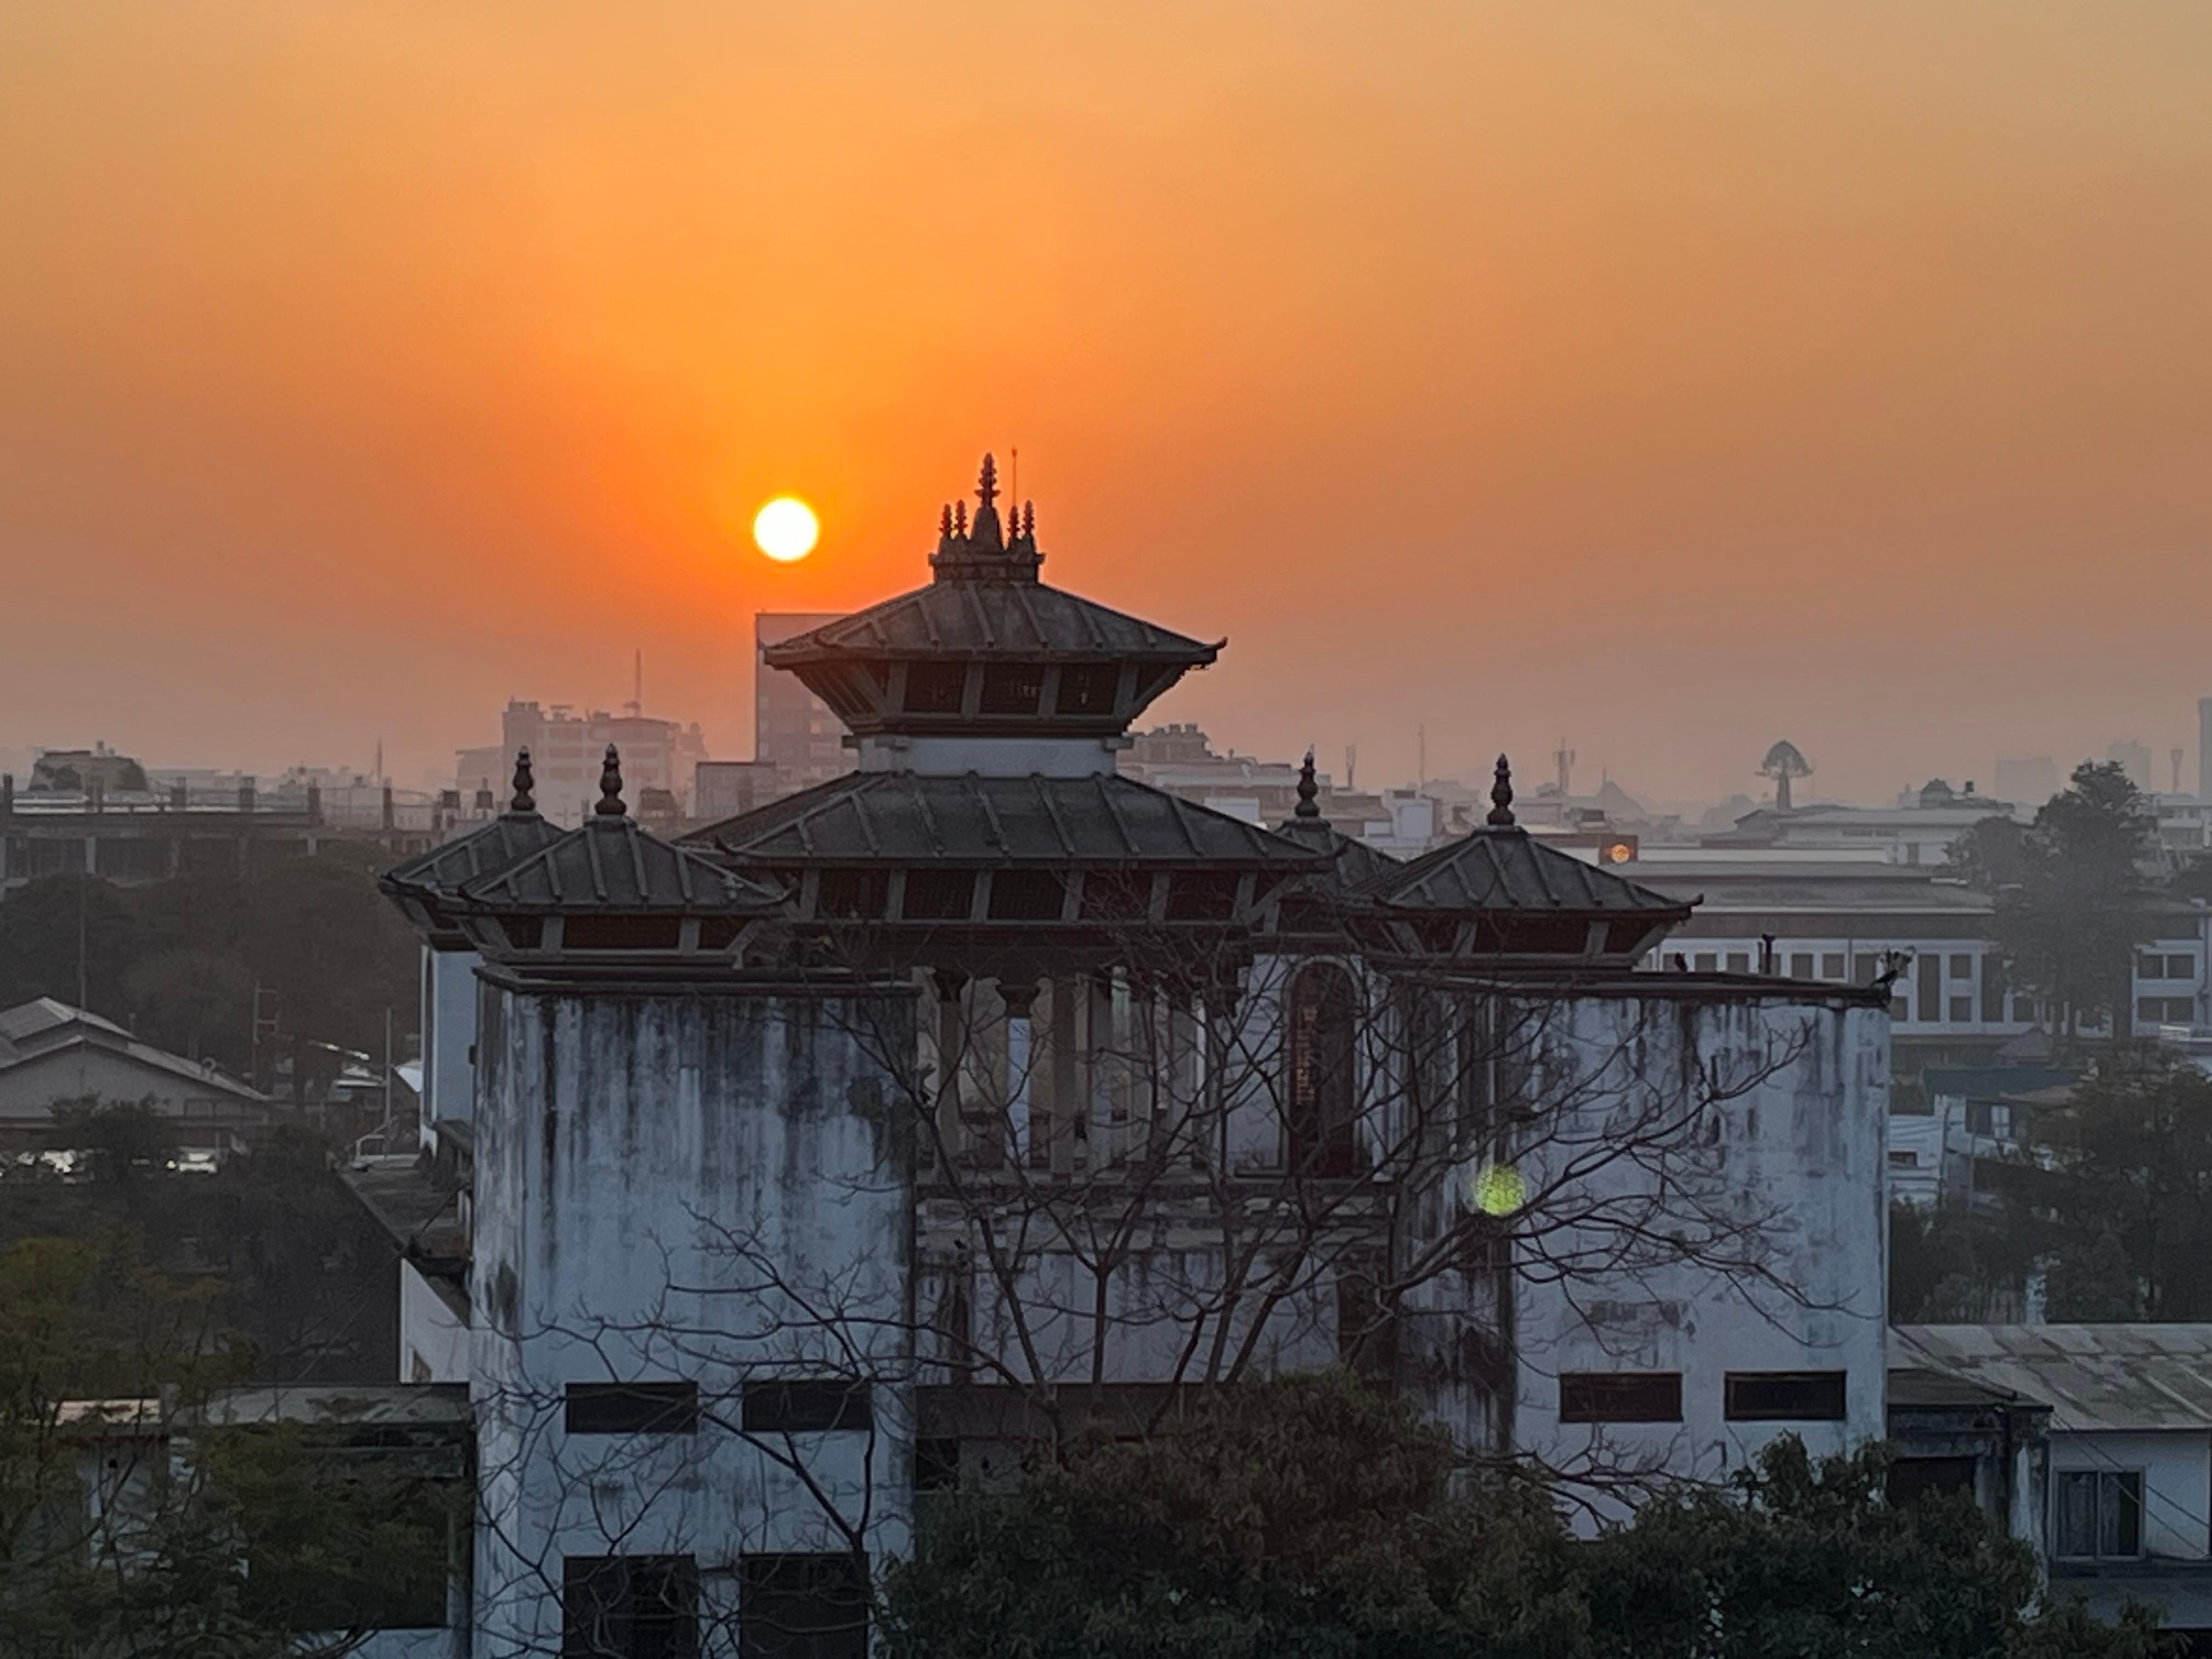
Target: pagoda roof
613, 865
1506, 868
1005, 619
443, 871
908, 817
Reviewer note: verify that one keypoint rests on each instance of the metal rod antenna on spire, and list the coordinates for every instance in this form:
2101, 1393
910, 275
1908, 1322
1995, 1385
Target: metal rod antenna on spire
1014, 484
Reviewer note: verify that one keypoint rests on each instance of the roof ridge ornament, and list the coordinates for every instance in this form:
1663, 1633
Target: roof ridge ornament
986, 548
1308, 790
525, 804
610, 788
984, 537
1501, 797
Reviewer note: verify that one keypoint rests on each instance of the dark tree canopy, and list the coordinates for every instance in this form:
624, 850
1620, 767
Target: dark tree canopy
1309, 1517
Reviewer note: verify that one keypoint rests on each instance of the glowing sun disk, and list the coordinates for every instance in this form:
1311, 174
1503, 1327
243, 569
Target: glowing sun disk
786, 529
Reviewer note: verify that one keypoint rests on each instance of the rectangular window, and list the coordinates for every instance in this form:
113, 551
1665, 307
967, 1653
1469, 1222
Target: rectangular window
2181, 967
1962, 964
1708, 962
1026, 896
1739, 962
1013, 688
802, 1607
633, 1407
1831, 965
935, 688
1928, 987
1088, 688
807, 1405
1784, 1397
1620, 1396
2150, 1008
936, 1465
852, 895
2099, 1513
622, 933
1801, 964
629, 1607
1866, 968
1962, 1010
1904, 1160
939, 895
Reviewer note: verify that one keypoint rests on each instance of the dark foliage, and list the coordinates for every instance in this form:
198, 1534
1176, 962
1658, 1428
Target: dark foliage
1309, 1516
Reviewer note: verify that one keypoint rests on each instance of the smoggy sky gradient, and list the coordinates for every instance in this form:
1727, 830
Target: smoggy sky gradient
1675, 378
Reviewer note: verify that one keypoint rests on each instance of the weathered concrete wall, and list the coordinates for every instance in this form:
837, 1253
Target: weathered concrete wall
434, 1339
449, 1009
2177, 1472
1776, 1179
674, 1186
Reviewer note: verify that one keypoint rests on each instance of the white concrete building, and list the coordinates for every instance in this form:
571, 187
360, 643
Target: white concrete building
983, 1097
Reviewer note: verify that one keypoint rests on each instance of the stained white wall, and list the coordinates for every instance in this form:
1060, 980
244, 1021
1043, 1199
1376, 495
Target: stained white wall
430, 1331
702, 1184
2176, 1470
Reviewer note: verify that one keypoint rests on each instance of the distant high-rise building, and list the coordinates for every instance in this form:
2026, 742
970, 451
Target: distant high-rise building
2134, 759
793, 729
566, 750
2030, 782
2204, 748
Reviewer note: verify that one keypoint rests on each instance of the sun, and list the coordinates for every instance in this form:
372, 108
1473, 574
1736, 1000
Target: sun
786, 529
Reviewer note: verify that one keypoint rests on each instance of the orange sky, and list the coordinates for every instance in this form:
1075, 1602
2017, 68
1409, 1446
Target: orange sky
1672, 376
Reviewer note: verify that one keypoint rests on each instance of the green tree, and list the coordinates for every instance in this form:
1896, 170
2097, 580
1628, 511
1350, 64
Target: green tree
1307, 1516
2068, 889
117, 1140
232, 1542
2128, 1194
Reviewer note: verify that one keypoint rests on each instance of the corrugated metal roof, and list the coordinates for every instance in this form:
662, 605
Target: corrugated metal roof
1508, 869
906, 817
613, 865
2111, 1377
965, 619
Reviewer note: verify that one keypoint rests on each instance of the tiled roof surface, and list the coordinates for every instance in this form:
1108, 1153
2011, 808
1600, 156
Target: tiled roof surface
613, 865
1010, 618
1511, 870
903, 816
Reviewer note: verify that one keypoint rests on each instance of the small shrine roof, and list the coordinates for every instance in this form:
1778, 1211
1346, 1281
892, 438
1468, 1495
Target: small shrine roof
1509, 869
1008, 618
611, 864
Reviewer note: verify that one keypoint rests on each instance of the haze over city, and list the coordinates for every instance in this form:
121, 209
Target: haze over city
1669, 379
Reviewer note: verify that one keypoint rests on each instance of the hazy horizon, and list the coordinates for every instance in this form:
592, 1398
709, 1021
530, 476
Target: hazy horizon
1669, 380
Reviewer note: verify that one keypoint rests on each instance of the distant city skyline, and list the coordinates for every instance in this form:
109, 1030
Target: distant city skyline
1505, 372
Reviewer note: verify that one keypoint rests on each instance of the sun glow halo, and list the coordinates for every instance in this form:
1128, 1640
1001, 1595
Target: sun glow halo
786, 529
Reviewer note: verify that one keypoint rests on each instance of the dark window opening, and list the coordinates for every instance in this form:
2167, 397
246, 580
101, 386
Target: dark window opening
1620, 1397
1707, 962
629, 1607
1928, 987
937, 1465
852, 895
1013, 688
1628, 938
719, 932
1912, 1478
1865, 970
524, 933
1026, 895
802, 1607
633, 1407
1322, 1081
1784, 1397
1117, 895
939, 895
935, 688
807, 1405
1962, 1010
1088, 688
1801, 964
1201, 897
622, 933
1831, 965
1993, 992
1547, 936
1739, 962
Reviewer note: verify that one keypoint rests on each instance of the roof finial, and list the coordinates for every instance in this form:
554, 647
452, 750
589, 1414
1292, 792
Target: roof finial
610, 800
524, 801
944, 528
1501, 798
1028, 521
1307, 790
986, 488
959, 520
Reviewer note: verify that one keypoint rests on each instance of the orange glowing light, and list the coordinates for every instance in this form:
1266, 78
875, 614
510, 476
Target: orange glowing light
786, 529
